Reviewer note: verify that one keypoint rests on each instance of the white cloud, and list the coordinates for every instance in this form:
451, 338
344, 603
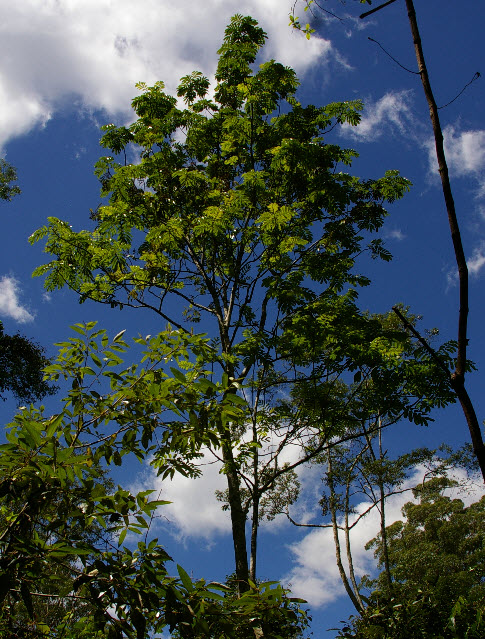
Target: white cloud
477, 260
10, 305
465, 152
395, 234
392, 111
465, 156
315, 576
194, 511
475, 264
94, 51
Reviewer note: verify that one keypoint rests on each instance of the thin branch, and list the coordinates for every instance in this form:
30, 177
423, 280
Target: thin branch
421, 340
393, 58
475, 77
381, 6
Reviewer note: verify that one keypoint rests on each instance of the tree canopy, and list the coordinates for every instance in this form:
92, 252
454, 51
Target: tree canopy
436, 557
21, 368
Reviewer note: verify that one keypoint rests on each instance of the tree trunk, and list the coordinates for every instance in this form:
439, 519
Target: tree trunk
255, 509
382, 510
458, 377
238, 515
238, 518
338, 554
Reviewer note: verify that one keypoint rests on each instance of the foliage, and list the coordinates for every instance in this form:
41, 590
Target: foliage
437, 564
8, 174
54, 600
59, 521
264, 611
21, 368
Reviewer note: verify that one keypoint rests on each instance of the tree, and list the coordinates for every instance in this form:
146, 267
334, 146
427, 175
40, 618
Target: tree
238, 216
436, 557
54, 602
22, 362
8, 174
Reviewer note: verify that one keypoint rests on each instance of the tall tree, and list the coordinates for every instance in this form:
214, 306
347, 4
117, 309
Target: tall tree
240, 216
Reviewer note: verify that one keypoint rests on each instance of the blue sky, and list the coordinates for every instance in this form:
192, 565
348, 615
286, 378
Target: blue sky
69, 66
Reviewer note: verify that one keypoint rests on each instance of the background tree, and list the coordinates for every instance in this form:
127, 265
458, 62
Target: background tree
8, 174
239, 216
22, 363
436, 558
400, 385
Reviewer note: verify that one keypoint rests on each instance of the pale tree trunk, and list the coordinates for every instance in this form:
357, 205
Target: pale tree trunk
382, 511
338, 554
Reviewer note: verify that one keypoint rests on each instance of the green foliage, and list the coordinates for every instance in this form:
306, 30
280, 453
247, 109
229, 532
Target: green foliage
242, 192
265, 610
62, 528
437, 563
21, 368
8, 174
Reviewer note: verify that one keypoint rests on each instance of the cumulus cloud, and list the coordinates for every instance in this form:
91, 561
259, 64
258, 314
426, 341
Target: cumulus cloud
10, 305
94, 51
465, 152
194, 511
315, 576
392, 112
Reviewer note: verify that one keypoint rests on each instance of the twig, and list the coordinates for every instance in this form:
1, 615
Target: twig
394, 59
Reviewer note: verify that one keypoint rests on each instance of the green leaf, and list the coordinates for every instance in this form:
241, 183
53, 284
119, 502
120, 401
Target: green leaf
186, 580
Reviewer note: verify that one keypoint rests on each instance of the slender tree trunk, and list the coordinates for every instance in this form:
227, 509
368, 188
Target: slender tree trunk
255, 509
348, 547
254, 538
338, 554
238, 515
382, 510
458, 377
